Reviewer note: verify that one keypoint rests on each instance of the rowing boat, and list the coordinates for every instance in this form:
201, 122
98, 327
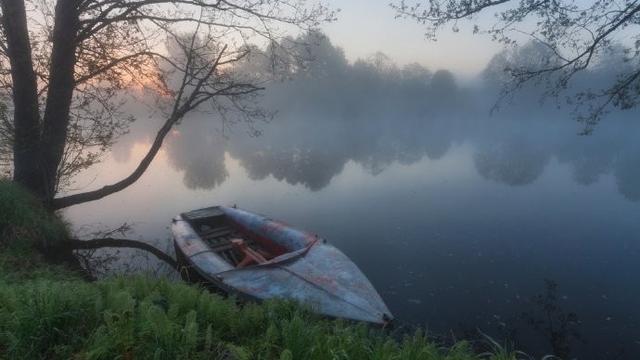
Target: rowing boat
252, 256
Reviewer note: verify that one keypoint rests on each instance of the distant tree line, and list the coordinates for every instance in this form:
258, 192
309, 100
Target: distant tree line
572, 37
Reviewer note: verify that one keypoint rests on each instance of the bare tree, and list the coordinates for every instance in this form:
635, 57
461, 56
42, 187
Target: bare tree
577, 35
67, 67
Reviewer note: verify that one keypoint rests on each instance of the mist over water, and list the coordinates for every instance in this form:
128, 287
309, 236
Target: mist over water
456, 215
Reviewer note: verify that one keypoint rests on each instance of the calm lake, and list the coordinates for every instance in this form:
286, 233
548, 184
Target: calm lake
511, 224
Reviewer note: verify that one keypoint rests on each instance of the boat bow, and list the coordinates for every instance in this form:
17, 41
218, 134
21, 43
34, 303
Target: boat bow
323, 278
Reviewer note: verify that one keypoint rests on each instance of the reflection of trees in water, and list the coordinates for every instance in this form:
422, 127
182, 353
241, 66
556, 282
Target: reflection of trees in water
627, 173
512, 161
370, 112
375, 114
539, 325
516, 162
550, 320
315, 154
589, 157
329, 112
195, 147
314, 169
311, 150
198, 151
517, 152
613, 151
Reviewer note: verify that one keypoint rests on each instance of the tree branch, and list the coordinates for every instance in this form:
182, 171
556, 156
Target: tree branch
75, 199
179, 110
109, 242
118, 61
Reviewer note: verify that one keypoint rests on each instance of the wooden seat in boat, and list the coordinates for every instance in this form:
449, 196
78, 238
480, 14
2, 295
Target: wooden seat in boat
224, 240
250, 255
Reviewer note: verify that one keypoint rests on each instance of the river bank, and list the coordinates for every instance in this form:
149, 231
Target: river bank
49, 310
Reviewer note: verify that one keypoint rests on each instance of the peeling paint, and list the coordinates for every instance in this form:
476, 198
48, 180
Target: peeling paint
306, 270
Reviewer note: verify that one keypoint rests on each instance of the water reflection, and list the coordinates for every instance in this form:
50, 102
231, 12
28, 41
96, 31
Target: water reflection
557, 325
375, 114
512, 160
456, 216
198, 152
308, 148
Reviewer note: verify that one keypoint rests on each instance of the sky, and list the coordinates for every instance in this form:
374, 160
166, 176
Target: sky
365, 27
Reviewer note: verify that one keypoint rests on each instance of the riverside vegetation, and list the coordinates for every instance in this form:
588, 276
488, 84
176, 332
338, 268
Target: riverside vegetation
49, 311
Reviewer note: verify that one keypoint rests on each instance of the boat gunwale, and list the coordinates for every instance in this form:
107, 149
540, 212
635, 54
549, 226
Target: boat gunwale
216, 279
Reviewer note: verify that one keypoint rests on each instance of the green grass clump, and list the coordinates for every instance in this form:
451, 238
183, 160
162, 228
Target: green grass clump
24, 222
143, 318
26, 226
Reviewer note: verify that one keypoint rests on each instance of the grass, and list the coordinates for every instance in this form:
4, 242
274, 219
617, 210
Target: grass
48, 312
142, 318
24, 222
27, 230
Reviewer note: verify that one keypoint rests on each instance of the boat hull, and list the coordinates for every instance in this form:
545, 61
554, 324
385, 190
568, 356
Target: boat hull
308, 269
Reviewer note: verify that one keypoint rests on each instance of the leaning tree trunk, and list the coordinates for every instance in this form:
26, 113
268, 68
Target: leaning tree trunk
26, 114
60, 91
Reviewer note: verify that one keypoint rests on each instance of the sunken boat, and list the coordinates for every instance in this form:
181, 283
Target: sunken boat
254, 257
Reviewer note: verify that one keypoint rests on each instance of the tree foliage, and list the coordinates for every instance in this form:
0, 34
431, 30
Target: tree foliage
573, 36
67, 67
